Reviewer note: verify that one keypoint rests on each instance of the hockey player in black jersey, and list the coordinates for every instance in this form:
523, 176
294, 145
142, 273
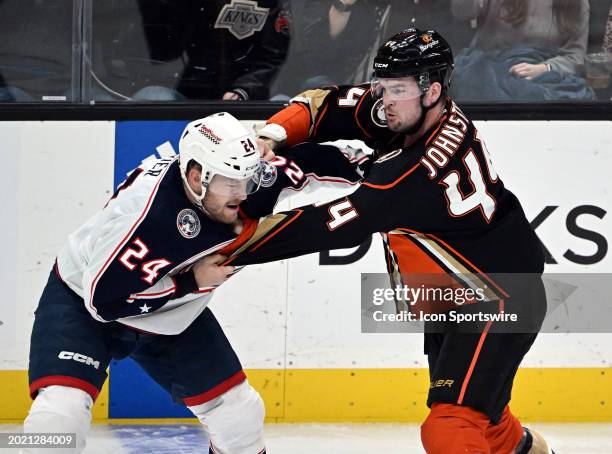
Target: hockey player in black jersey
441, 208
135, 280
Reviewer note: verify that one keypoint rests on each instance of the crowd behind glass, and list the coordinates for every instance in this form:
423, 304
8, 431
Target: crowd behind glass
86, 51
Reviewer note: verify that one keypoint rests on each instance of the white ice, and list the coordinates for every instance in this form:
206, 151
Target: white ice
316, 438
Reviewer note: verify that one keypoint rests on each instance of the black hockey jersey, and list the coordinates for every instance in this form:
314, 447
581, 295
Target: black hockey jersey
440, 205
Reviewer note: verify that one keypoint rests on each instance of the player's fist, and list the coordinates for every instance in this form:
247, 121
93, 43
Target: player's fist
209, 272
266, 148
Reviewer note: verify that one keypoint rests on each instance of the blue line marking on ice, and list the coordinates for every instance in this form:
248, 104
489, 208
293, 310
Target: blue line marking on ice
161, 439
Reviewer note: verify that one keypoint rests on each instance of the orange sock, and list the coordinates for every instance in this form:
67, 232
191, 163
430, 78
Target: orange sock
452, 429
504, 437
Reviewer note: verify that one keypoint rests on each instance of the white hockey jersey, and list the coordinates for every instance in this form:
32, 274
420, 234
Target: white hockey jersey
130, 262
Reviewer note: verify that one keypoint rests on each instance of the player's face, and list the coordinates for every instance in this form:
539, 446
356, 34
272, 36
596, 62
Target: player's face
401, 99
223, 197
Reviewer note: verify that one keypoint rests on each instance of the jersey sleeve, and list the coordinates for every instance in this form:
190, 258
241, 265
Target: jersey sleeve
332, 113
306, 166
342, 223
376, 206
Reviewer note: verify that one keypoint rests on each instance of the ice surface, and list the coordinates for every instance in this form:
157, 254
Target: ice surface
187, 438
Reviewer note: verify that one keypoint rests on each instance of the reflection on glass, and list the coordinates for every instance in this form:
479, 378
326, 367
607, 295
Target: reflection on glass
87, 51
335, 40
506, 50
523, 50
36, 50
333, 43
170, 50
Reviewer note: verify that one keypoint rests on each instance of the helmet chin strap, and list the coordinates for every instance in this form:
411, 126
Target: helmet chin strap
200, 203
198, 199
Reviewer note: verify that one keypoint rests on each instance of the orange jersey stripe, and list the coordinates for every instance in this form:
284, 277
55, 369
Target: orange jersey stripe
410, 258
248, 229
417, 268
321, 115
466, 380
369, 136
390, 185
457, 254
504, 293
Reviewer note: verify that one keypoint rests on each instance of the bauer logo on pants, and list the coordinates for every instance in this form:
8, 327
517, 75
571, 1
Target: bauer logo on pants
242, 18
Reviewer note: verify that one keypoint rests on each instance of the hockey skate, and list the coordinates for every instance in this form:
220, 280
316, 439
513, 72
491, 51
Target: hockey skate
533, 443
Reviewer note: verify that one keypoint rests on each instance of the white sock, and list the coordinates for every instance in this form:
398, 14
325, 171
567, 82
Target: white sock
59, 409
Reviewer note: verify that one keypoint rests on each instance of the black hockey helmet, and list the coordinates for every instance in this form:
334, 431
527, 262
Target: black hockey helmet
417, 53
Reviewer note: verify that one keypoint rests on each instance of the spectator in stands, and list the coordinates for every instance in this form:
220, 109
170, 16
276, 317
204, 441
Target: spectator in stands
332, 42
194, 49
560, 26
543, 41
233, 49
335, 40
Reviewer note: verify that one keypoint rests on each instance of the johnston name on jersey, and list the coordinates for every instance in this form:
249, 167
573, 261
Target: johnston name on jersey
130, 261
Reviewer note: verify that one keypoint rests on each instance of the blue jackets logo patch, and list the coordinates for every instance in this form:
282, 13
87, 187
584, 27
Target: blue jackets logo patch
188, 223
267, 176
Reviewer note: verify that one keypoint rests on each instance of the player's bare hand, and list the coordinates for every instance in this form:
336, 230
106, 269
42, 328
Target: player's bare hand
266, 148
528, 71
209, 272
231, 96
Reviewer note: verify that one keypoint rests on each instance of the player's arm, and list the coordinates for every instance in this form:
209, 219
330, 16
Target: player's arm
331, 113
303, 167
342, 223
124, 273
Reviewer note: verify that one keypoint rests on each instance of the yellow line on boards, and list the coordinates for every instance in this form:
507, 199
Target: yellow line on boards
15, 396
374, 395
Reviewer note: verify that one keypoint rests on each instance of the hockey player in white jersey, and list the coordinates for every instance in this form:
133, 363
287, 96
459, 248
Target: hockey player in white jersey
136, 278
